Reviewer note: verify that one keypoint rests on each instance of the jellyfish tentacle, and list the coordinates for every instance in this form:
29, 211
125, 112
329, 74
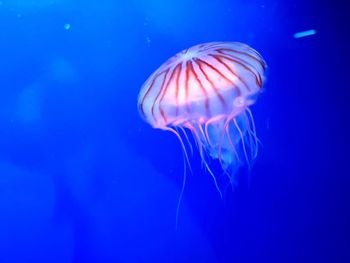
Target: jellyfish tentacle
189, 126
233, 146
200, 128
250, 139
204, 140
242, 140
203, 158
257, 141
223, 134
201, 147
230, 139
214, 178
182, 145
181, 193
210, 121
185, 160
198, 132
187, 139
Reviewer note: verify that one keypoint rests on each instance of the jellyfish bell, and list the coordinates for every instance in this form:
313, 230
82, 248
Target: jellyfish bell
206, 91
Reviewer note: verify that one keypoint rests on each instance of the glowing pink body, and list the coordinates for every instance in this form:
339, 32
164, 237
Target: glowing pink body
207, 90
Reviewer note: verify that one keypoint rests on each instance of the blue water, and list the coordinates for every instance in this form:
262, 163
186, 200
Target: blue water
84, 179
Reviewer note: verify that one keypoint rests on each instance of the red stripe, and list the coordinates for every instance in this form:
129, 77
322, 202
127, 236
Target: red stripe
165, 91
199, 63
202, 88
149, 90
186, 85
260, 61
209, 46
216, 70
177, 89
146, 94
232, 71
160, 91
242, 63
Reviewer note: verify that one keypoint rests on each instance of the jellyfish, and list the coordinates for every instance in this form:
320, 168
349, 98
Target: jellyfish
206, 91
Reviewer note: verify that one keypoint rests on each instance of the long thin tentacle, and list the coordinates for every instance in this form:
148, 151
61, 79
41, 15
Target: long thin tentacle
202, 135
243, 144
204, 162
182, 145
214, 178
187, 139
198, 141
230, 140
210, 121
200, 128
257, 141
181, 194
252, 147
189, 126
222, 137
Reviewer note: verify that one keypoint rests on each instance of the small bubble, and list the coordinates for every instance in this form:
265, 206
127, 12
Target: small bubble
67, 26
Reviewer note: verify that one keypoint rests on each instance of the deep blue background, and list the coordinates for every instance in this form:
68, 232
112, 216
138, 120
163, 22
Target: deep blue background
84, 179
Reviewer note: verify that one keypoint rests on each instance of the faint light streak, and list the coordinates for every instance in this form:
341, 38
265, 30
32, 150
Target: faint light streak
305, 33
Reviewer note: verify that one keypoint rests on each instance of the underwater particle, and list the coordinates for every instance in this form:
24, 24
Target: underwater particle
305, 33
148, 40
205, 91
67, 26
145, 23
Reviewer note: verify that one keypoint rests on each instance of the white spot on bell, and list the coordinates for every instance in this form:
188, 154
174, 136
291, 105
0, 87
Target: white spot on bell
239, 102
